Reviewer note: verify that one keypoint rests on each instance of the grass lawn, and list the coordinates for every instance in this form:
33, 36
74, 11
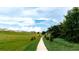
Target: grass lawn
61, 45
18, 41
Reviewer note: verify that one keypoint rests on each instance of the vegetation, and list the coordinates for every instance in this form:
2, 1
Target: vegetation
71, 25
18, 41
68, 30
59, 44
43, 32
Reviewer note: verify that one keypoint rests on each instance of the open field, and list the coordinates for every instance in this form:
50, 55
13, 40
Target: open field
18, 41
61, 45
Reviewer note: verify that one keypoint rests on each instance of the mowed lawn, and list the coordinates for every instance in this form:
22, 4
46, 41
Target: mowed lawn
61, 45
18, 41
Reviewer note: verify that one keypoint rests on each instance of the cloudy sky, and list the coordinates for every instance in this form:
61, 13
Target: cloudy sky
31, 18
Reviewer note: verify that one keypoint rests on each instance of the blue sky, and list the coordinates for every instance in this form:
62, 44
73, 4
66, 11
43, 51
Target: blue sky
31, 18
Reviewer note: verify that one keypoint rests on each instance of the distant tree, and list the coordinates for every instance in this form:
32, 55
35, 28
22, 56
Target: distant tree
43, 32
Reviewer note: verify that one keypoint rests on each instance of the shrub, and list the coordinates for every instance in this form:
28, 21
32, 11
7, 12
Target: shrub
33, 38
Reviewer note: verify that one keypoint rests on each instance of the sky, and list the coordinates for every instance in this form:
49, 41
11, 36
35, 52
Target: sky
31, 18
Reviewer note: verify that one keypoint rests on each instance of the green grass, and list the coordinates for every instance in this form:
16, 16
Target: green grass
18, 41
61, 45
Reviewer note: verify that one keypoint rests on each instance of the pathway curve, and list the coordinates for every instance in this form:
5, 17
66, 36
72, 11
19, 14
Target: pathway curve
41, 46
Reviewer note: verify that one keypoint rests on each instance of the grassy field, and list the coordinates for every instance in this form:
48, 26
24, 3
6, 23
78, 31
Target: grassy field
18, 41
61, 45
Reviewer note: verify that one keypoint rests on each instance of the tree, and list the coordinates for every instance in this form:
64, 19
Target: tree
43, 32
69, 29
71, 25
53, 32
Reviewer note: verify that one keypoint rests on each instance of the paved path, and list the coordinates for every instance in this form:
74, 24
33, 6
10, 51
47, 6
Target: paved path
41, 46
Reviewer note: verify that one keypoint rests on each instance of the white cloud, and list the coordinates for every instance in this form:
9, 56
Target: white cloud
44, 9
26, 24
43, 19
29, 12
17, 20
36, 29
54, 20
5, 10
24, 17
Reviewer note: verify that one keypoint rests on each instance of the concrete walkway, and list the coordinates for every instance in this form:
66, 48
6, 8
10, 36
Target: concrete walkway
41, 46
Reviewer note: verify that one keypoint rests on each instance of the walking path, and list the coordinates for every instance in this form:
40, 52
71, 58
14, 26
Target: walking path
41, 46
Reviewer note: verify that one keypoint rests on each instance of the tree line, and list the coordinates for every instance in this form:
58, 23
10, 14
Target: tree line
68, 29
